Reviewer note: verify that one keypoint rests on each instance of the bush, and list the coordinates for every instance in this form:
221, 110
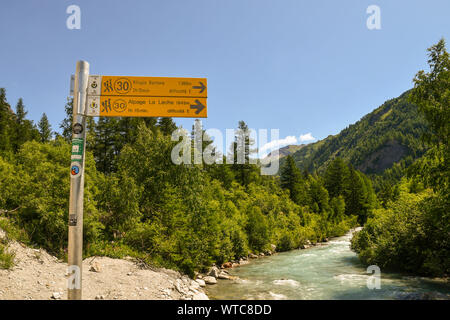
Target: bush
257, 230
286, 242
410, 235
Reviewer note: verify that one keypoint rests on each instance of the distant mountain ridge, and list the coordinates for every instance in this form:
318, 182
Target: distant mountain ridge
287, 150
388, 135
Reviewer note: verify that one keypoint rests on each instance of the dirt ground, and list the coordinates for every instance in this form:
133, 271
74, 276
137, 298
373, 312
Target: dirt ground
37, 275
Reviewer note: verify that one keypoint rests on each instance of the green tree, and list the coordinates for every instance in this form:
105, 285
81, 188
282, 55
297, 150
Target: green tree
432, 94
257, 229
66, 124
25, 129
20, 112
337, 205
105, 144
335, 176
45, 129
291, 179
6, 122
222, 173
317, 195
244, 171
166, 125
354, 195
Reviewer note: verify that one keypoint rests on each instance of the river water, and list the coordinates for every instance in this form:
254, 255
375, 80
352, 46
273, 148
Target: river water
328, 271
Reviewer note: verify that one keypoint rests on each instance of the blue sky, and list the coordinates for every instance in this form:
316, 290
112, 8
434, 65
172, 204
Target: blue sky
298, 66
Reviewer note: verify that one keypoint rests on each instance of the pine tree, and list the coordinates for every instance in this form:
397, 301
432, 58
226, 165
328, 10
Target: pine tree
335, 176
166, 125
354, 193
45, 129
66, 124
90, 133
291, 179
6, 122
20, 112
105, 146
245, 173
23, 128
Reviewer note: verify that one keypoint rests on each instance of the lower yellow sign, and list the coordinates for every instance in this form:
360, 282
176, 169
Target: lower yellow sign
116, 106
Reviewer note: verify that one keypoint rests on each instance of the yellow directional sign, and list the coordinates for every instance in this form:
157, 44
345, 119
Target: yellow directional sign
147, 86
115, 106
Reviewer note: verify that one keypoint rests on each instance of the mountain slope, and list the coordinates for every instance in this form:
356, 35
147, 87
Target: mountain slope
287, 150
389, 134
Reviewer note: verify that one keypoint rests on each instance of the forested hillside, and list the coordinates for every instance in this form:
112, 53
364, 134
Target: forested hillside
383, 142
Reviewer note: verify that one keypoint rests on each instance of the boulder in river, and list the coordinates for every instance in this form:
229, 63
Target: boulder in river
214, 272
223, 275
210, 280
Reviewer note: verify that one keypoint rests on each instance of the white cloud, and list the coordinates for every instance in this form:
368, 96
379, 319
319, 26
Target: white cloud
306, 137
278, 143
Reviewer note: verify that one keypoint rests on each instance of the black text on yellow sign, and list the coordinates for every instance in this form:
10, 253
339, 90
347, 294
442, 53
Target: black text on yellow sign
115, 106
147, 86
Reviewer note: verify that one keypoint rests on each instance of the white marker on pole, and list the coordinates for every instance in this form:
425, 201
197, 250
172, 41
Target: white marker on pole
75, 245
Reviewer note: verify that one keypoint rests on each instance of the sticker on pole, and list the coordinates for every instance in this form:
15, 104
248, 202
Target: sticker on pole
75, 169
77, 149
77, 128
72, 220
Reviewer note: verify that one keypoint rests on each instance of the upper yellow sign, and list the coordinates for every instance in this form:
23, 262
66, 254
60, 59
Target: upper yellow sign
147, 86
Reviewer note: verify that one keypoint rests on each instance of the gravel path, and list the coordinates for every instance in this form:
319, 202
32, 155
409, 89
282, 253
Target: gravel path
37, 275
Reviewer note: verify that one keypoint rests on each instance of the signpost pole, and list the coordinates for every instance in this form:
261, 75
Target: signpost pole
75, 245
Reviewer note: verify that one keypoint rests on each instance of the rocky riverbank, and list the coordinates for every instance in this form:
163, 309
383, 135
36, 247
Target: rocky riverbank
37, 275
220, 272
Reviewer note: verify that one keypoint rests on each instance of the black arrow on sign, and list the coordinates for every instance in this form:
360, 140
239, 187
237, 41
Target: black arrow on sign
199, 106
202, 87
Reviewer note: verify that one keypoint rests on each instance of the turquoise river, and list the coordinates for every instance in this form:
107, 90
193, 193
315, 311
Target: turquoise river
328, 271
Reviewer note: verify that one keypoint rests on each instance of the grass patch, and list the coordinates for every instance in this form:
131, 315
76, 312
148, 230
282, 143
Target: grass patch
386, 114
6, 257
13, 231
